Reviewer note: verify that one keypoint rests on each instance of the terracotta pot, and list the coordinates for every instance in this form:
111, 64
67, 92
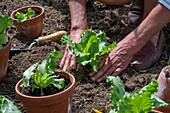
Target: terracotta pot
31, 28
4, 54
56, 103
164, 89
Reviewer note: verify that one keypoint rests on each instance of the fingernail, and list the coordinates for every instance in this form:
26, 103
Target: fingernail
114, 74
90, 74
99, 80
92, 78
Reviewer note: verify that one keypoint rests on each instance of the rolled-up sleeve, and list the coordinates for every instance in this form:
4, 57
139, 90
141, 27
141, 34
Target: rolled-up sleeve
166, 3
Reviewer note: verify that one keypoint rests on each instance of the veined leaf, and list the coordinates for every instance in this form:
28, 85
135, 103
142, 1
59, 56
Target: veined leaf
27, 75
3, 39
89, 49
30, 13
42, 76
118, 91
141, 102
7, 106
21, 17
5, 22
50, 63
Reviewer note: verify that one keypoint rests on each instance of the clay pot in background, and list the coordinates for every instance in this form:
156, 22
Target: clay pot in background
56, 103
4, 54
164, 89
31, 28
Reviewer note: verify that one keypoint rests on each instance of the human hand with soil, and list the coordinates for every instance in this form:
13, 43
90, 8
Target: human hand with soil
119, 58
69, 59
113, 63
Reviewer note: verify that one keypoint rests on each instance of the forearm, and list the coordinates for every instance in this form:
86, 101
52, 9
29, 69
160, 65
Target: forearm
152, 24
78, 14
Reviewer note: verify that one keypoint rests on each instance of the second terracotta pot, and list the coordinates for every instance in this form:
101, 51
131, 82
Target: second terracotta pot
31, 28
56, 103
164, 89
4, 54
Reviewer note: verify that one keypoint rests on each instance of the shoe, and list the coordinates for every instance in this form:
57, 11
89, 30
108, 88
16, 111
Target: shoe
135, 14
149, 54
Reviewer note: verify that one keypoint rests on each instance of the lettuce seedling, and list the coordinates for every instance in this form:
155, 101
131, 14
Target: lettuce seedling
7, 106
5, 22
90, 48
41, 75
21, 17
141, 102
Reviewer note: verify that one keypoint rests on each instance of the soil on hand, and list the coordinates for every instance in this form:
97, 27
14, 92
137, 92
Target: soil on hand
110, 19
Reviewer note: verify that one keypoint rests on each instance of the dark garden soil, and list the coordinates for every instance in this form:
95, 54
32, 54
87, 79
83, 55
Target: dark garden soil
88, 95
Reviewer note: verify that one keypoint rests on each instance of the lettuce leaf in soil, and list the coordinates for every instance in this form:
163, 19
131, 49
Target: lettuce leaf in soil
5, 22
141, 102
90, 48
42, 74
7, 106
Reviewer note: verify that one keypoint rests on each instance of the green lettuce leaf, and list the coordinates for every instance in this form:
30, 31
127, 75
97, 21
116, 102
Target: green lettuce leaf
3, 39
141, 102
27, 75
90, 48
7, 106
30, 13
5, 22
21, 17
42, 76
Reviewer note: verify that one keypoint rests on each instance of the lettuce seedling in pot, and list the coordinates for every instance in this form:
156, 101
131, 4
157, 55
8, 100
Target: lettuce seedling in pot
90, 48
21, 17
5, 22
41, 75
142, 102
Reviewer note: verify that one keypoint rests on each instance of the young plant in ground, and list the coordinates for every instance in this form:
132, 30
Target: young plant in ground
7, 106
90, 48
5, 22
21, 17
41, 75
141, 102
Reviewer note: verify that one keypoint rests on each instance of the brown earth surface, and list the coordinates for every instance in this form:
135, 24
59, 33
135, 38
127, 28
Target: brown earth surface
88, 94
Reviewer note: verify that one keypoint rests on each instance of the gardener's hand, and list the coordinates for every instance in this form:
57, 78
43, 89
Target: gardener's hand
114, 63
68, 59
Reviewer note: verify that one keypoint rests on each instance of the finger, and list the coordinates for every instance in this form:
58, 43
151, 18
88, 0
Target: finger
103, 61
118, 71
73, 60
101, 64
67, 62
101, 72
63, 59
108, 72
92, 74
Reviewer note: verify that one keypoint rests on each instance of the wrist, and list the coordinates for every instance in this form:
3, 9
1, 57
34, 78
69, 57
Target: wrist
75, 28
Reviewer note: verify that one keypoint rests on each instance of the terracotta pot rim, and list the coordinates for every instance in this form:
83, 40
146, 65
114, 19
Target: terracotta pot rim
26, 7
49, 96
6, 47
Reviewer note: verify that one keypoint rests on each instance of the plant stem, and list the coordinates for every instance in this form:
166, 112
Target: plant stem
42, 94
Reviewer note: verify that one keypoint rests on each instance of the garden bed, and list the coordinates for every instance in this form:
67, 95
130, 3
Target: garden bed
88, 94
